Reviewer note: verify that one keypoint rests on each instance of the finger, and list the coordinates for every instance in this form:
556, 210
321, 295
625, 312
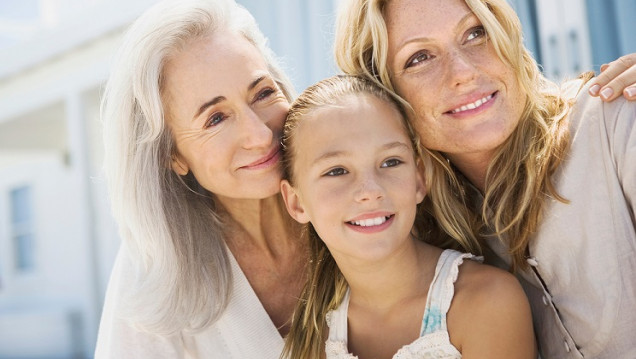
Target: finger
604, 67
616, 77
622, 84
630, 93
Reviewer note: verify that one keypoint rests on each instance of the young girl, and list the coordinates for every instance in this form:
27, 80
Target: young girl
352, 175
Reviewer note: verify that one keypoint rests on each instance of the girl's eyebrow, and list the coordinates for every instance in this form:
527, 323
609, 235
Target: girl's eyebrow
387, 146
327, 155
396, 144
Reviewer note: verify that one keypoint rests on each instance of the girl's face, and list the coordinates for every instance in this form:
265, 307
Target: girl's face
467, 102
356, 178
226, 113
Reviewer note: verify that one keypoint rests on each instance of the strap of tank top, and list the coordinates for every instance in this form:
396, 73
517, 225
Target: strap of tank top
441, 291
337, 320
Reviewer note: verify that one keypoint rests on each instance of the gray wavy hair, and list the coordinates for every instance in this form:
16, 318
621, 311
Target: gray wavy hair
169, 224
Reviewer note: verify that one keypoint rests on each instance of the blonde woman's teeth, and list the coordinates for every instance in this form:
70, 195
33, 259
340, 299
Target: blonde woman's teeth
472, 106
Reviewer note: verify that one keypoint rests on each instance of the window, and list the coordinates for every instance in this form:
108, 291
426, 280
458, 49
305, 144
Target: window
22, 228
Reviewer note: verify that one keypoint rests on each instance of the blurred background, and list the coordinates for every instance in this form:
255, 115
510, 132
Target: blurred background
57, 237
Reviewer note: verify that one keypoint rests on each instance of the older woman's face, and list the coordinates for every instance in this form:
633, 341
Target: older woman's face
467, 101
226, 113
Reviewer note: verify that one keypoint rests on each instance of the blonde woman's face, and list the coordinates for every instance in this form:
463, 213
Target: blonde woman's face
467, 102
226, 113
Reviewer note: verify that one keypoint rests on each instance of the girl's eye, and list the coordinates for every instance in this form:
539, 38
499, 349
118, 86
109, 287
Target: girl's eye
339, 171
475, 33
418, 58
214, 120
391, 162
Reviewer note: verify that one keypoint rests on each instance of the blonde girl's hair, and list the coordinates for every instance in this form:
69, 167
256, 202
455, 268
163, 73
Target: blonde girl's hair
326, 285
519, 179
169, 225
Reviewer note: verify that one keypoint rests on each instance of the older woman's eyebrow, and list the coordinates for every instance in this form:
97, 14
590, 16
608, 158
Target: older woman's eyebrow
256, 82
218, 99
212, 102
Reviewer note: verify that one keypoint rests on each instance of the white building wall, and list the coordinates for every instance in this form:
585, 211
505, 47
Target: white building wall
564, 38
43, 310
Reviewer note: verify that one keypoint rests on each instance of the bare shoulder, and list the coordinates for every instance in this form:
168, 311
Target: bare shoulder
484, 282
490, 315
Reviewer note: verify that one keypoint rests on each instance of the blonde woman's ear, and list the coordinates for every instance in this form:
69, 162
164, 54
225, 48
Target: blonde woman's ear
293, 202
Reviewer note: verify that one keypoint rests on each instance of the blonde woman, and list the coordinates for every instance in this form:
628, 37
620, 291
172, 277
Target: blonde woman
377, 287
550, 170
210, 265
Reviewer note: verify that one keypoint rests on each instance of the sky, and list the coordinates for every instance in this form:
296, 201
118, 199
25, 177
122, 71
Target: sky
19, 19
23, 19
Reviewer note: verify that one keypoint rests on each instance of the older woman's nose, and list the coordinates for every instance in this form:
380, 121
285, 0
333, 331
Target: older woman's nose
254, 131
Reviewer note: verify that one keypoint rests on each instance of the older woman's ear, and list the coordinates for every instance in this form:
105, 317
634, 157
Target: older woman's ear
179, 166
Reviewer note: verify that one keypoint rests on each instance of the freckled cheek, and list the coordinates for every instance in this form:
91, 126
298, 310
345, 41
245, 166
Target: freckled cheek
424, 127
422, 93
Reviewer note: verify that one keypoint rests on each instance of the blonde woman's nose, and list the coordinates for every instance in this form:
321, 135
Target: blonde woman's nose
461, 69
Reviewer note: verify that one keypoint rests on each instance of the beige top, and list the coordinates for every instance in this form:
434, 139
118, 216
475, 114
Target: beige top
582, 279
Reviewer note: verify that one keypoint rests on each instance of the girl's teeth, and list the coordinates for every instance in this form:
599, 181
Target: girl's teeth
472, 106
371, 222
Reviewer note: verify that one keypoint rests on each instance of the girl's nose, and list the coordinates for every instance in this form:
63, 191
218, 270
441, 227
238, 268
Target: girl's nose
369, 189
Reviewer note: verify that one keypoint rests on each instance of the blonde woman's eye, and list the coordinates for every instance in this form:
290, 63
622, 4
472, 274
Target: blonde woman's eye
418, 58
392, 162
475, 33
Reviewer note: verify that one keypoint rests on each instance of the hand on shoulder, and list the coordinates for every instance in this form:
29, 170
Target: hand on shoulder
490, 315
616, 78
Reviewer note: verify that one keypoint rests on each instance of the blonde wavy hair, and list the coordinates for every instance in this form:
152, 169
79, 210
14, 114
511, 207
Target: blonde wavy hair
326, 285
170, 225
518, 179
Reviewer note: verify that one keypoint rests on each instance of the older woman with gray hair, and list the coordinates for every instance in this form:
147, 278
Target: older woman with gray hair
210, 264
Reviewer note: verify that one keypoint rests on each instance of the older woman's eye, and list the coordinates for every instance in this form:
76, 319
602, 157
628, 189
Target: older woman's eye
476, 32
418, 58
214, 120
265, 94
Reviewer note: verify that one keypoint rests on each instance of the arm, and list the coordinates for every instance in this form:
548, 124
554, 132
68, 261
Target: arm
496, 321
616, 77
